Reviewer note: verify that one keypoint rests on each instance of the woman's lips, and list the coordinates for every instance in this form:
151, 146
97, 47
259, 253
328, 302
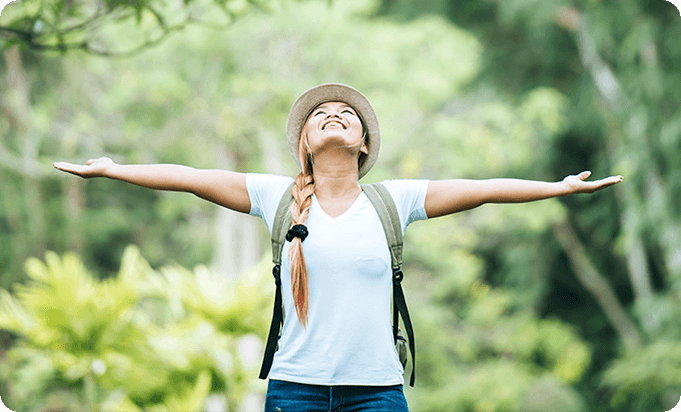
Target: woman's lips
331, 122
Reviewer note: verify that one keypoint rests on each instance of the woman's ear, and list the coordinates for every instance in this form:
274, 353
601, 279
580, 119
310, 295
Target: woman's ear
364, 149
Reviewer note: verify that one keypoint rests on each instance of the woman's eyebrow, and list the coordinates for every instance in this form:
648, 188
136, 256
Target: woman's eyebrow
343, 105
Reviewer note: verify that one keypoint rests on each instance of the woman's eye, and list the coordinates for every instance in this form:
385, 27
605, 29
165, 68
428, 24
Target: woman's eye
319, 112
348, 111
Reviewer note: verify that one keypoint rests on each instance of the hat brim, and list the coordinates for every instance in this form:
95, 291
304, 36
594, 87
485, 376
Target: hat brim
334, 92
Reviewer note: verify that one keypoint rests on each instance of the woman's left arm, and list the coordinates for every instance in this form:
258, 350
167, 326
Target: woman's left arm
450, 196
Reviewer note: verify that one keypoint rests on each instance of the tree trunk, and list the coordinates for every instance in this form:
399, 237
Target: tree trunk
599, 287
17, 101
271, 156
237, 245
74, 203
19, 248
613, 105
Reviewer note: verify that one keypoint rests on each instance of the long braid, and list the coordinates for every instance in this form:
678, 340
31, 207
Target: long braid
300, 208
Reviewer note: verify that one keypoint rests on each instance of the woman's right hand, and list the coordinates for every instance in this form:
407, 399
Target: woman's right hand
93, 167
221, 187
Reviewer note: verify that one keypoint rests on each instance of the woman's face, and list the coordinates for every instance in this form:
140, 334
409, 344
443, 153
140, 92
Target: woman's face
335, 125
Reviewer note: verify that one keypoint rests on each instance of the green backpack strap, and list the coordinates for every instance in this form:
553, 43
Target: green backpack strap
279, 229
387, 211
281, 224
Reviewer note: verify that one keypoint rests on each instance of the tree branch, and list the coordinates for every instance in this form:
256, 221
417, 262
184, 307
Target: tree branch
33, 40
610, 91
92, 20
599, 287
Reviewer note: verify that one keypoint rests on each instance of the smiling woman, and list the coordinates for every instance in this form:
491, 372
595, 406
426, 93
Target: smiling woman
334, 129
339, 351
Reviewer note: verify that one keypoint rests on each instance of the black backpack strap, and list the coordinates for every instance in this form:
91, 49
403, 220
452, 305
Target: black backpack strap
279, 230
387, 211
400, 305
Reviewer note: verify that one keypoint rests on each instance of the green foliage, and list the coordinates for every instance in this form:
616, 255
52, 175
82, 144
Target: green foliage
473, 336
502, 323
112, 27
489, 358
615, 66
641, 381
549, 394
143, 340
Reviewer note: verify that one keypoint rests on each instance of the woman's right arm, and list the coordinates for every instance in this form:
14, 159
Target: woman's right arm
222, 187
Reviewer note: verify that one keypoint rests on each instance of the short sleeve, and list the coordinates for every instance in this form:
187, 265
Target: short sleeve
409, 196
265, 192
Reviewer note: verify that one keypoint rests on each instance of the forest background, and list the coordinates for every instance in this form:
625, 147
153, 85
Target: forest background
116, 297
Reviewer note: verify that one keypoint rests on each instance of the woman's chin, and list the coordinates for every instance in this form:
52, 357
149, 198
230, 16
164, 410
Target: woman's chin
335, 138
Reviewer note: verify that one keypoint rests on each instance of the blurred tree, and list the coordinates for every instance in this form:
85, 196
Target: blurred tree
22, 160
616, 62
111, 27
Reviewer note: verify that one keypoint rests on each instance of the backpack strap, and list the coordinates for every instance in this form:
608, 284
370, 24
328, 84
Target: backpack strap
390, 219
279, 229
387, 211
281, 224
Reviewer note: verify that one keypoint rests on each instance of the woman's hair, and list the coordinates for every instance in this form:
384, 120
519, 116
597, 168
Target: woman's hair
300, 209
365, 139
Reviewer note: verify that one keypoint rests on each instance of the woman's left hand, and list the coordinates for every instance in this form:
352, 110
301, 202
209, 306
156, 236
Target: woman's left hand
577, 183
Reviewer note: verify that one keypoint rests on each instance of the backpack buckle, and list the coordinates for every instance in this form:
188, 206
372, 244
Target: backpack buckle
276, 271
397, 276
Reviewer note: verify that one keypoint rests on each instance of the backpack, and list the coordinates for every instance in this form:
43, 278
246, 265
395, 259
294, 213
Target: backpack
387, 211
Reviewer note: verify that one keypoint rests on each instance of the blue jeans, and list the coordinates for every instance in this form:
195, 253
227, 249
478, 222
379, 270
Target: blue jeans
285, 396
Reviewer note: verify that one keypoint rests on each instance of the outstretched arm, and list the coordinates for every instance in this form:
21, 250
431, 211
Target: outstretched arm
222, 187
450, 196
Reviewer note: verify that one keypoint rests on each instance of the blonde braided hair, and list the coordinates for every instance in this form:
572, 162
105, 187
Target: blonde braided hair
300, 209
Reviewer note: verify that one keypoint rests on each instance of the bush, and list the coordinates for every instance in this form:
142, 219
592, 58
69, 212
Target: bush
143, 340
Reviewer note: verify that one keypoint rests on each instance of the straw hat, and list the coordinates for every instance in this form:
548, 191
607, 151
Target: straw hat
334, 92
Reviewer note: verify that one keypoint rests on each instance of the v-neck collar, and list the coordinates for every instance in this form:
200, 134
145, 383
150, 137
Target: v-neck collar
347, 212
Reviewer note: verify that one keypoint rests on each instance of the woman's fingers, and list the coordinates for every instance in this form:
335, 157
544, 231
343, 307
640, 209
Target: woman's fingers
63, 166
579, 185
609, 181
92, 168
603, 183
69, 167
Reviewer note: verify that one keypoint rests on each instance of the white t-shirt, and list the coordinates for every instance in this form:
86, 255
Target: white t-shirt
348, 339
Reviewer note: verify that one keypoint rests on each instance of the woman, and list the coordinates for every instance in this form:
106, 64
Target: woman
338, 352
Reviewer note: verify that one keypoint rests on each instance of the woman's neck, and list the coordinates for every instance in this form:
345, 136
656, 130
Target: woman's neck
330, 188
335, 178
